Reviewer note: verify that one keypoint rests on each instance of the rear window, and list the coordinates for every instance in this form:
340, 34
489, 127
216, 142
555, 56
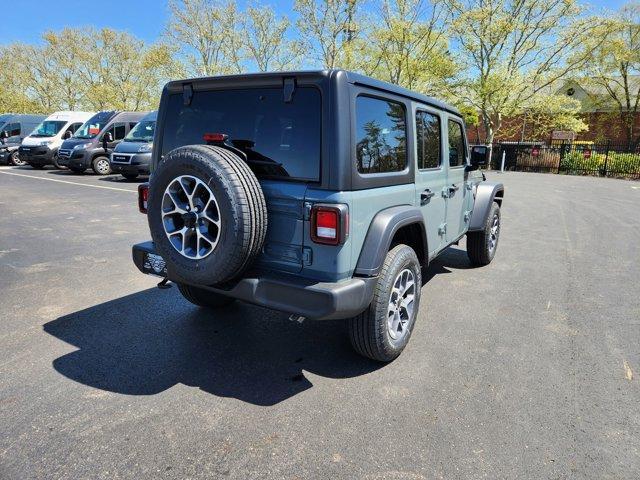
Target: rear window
280, 139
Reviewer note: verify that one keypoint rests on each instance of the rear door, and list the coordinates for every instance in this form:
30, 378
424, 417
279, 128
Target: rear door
457, 193
431, 175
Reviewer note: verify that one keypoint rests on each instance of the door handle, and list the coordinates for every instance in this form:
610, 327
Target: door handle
426, 195
453, 188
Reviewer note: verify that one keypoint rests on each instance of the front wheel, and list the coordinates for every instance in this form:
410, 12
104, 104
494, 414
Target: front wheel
14, 159
204, 298
383, 330
101, 165
56, 164
482, 245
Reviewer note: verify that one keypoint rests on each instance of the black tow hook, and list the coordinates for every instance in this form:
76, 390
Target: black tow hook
164, 284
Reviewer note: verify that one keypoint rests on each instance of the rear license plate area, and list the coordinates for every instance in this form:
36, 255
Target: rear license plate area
154, 265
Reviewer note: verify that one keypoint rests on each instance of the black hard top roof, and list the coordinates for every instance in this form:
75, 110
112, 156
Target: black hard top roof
352, 77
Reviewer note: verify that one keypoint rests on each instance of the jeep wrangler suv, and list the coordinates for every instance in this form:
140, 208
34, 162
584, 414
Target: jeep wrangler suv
321, 194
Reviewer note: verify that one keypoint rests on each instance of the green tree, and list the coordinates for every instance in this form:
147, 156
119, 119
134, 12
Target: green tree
615, 65
328, 30
409, 45
514, 50
265, 40
206, 32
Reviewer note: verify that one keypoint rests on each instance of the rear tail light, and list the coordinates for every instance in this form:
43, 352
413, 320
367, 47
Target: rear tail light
329, 224
143, 197
215, 137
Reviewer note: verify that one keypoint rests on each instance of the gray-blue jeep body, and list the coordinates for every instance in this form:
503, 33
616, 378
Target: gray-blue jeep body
343, 170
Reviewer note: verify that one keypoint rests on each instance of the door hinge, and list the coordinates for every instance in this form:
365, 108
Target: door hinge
288, 89
467, 216
307, 256
307, 210
442, 229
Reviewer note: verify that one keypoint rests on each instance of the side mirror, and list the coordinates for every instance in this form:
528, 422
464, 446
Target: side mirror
479, 157
106, 139
4, 135
67, 135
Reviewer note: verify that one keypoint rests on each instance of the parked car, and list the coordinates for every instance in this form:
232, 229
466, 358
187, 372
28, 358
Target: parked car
41, 147
13, 129
132, 156
320, 194
93, 142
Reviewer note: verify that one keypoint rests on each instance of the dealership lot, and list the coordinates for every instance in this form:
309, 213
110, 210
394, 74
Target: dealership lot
527, 368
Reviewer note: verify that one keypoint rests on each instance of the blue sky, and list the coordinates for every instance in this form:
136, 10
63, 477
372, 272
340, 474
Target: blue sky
26, 20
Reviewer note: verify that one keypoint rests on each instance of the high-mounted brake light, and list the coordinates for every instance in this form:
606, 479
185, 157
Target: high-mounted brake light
143, 197
329, 224
215, 137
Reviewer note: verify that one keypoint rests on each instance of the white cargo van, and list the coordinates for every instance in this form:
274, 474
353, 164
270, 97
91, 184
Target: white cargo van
41, 147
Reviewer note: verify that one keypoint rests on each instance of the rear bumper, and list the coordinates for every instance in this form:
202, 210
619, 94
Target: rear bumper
287, 293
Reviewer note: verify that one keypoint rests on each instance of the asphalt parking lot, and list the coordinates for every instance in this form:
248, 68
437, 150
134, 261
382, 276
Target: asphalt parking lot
527, 368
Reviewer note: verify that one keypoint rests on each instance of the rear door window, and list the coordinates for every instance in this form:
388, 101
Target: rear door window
457, 147
280, 139
428, 140
381, 135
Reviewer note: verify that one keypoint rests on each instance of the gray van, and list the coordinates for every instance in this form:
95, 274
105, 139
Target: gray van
132, 156
93, 142
13, 129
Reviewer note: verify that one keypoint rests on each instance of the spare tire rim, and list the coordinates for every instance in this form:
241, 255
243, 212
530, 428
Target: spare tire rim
191, 217
401, 304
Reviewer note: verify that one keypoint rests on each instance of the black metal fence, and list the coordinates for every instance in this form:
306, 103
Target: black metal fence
577, 158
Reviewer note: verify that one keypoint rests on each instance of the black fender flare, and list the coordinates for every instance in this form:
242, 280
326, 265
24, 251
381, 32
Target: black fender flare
486, 193
381, 231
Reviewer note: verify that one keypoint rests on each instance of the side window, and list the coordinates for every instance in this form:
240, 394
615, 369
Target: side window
428, 140
381, 135
13, 129
457, 148
120, 131
131, 125
74, 127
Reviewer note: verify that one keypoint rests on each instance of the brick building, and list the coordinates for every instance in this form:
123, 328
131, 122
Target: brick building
599, 112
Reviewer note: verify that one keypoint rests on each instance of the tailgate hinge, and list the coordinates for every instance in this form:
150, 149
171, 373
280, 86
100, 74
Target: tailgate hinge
187, 94
288, 89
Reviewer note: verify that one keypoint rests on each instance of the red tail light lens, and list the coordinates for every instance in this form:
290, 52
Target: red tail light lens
143, 197
329, 224
214, 137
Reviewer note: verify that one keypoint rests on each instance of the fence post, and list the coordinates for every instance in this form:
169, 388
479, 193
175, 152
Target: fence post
606, 157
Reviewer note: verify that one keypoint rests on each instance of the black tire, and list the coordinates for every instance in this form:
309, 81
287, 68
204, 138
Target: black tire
101, 165
14, 159
479, 244
204, 298
77, 170
242, 207
56, 164
130, 176
368, 332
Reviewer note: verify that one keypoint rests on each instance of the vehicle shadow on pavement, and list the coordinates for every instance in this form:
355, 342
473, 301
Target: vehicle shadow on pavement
451, 258
145, 343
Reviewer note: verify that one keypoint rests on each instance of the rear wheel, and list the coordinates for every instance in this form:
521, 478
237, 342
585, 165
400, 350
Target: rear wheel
383, 330
482, 245
204, 298
101, 165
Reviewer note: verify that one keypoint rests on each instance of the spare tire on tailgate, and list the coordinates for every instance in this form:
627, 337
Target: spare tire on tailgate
207, 214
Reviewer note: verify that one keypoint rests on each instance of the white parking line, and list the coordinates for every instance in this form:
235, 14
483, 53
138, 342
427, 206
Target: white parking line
67, 181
